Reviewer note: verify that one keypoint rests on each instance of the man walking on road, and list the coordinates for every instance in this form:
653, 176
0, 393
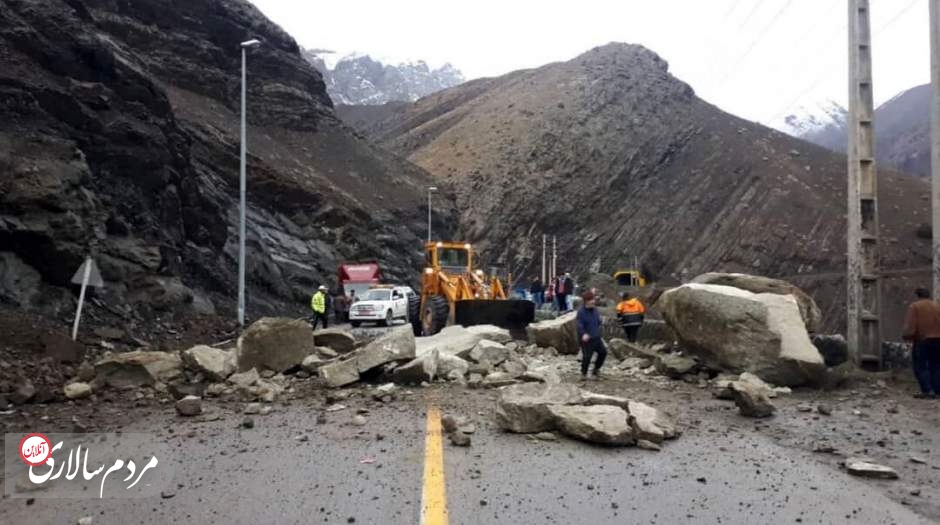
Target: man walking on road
922, 328
318, 305
631, 311
589, 334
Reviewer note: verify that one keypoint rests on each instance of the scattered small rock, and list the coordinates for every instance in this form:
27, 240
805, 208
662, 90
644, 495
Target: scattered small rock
248, 422
865, 468
459, 439
77, 390
824, 409
448, 423
189, 406
359, 420
648, 445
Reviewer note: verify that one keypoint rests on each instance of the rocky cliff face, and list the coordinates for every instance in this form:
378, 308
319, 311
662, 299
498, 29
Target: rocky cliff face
119, 138
619, 159
363, 80
902, 132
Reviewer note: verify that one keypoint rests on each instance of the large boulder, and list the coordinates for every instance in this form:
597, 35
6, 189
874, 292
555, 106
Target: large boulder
560, 334
752, 399
418, 370
489, 352
491, 333
809, 310
339, 373
526, 408
604, 424
335, 338
739, 331
650, 424
621, 349
216, 364
452, 340
395, 346
138, 368
451, 366
675, 365
274, 343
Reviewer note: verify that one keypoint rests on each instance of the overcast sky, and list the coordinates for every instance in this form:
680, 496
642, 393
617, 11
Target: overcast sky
760, 59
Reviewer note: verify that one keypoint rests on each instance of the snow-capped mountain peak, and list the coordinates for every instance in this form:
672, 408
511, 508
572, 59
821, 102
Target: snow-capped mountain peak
361, 79
815, 118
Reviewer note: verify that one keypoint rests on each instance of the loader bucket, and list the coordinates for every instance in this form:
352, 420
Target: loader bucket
505, 313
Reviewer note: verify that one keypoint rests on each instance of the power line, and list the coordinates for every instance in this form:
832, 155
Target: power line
734, 6
829, 70
760, 36
747, 18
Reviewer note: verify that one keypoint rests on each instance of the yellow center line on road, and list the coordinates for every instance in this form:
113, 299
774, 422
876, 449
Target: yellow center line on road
434, 495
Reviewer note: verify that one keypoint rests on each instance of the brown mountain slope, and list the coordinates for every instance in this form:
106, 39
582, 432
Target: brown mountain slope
119, 137
622, 160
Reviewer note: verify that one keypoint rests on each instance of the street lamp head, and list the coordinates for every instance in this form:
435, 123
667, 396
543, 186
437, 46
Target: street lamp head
432, 188
251, 43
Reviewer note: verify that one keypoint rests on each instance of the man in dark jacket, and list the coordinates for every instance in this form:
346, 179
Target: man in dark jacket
538, 292
589, 334
922, 329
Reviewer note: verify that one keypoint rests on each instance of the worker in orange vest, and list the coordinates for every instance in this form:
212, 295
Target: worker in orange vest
631, 311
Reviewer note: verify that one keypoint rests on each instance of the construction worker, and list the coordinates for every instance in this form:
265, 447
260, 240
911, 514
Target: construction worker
590, 329
922, 328
318, 305
631, 311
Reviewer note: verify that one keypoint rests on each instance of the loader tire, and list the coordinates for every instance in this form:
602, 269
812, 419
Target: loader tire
414, 314
436, 312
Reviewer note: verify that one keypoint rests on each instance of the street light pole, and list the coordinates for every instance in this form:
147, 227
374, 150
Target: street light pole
430, 190
241, 189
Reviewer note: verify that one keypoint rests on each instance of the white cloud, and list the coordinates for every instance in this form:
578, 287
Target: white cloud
758, 60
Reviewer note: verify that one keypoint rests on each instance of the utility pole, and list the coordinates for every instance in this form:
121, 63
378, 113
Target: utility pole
935, 139
544, 240
864, 283
430, 190
554, 256
242, 186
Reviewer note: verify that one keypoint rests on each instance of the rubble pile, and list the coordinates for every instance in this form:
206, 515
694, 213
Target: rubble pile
533, 408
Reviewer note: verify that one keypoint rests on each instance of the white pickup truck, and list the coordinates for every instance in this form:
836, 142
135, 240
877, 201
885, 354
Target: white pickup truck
382, 305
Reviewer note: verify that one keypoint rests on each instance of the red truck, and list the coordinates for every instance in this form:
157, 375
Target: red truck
358, 277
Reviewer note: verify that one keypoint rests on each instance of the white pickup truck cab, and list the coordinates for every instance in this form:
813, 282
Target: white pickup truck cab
382, 305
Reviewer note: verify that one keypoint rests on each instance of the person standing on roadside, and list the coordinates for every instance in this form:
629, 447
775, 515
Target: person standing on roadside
631, 312
538, 293
318, 305
590, 328
341, 307
922, 329
569, 288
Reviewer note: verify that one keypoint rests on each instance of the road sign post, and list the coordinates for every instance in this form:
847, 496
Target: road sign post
87, 275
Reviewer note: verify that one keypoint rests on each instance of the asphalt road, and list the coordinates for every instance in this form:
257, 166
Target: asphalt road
290, 468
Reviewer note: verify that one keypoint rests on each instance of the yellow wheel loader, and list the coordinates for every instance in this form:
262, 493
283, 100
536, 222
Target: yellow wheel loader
453, 292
